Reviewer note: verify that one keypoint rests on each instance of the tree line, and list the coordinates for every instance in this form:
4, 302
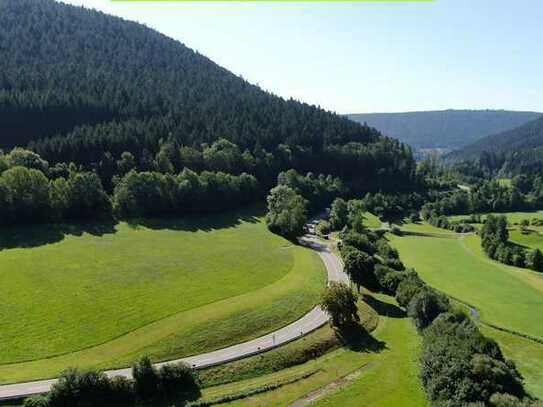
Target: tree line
459, 365
171, 384
496, 244
524, 193
295, 197
111, 96
31, 191
382, 165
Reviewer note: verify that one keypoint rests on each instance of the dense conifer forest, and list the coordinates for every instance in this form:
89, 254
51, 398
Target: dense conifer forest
137, 113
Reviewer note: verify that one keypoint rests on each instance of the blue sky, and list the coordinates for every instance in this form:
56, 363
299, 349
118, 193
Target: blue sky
367, 57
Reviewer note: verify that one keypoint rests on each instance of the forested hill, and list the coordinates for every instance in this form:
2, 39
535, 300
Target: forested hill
526, 137
128, 122
448, 129
66, 69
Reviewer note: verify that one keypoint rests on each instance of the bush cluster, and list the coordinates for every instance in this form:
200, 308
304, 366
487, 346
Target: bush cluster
368, 257
495, 243
170, 384
459, 366
444, 223
297, 195
140, 194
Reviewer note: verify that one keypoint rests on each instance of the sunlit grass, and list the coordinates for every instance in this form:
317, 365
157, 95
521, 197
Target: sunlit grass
167, 290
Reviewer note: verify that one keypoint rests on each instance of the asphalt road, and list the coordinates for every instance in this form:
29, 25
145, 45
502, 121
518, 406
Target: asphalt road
309, 322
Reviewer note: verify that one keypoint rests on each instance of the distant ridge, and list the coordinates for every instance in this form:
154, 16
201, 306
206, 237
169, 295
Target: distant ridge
448, 129
526, 137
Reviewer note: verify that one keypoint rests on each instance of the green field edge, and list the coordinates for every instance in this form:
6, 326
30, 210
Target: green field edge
114, 365
158, 320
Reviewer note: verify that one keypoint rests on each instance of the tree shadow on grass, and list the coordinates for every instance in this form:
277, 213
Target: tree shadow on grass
356, 338
384, 308
178, 400
28, 236
202, 222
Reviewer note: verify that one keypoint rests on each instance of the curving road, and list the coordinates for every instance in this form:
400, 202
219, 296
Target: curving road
308, 323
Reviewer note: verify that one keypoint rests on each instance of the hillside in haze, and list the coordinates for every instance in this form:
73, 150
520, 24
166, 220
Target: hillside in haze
449, 129
523, 138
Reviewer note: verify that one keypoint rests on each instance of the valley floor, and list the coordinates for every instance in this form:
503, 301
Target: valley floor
111, 293
382, 372
504, 296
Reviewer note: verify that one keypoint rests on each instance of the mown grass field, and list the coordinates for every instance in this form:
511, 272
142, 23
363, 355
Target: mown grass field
102, 295
392, 379
532, 239
512, 217
505, 296
371, 221
527, 354
383, 374
425, 228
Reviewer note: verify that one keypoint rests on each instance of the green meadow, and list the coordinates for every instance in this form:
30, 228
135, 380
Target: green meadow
532, 238
505, 296
512, 217
385, 373
392, 377
425, 228
371, 221
100, 295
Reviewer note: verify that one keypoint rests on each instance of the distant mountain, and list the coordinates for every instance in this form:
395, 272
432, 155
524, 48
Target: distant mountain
448, 129
526, 137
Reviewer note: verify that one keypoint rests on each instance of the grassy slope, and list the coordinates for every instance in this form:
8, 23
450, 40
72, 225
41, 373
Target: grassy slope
426, 228
393, 379
294, 353
528, 357
512, 217
371, 221
533, 239
505, 296
151, 291
388, 377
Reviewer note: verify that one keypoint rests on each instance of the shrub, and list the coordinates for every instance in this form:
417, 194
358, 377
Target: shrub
395, 230
178, 380
339, 302
92, 388
459, 365
385, 250
410, 285
393, 263
534, 260
507, 400
359, 241
323, 228
388, 278
37, 401
146, 379
426, 305
491, 376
